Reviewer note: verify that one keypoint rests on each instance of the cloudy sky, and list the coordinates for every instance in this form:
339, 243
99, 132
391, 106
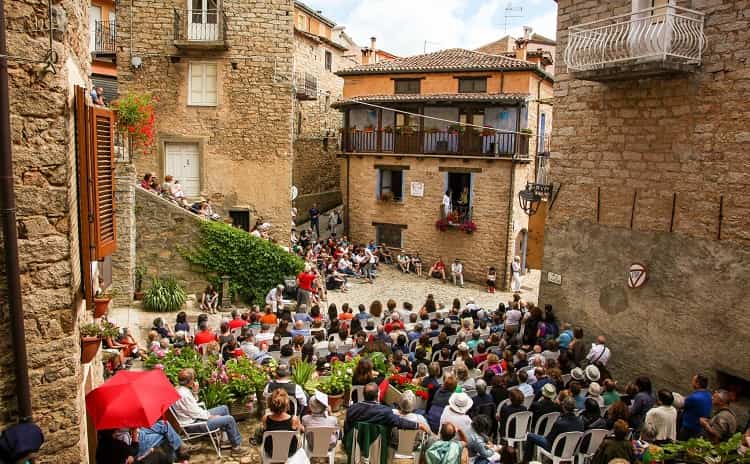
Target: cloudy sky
403, 26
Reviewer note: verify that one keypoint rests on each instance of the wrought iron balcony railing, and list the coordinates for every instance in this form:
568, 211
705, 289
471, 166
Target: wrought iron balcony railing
654, 34
105, 37
202, 28
306, 85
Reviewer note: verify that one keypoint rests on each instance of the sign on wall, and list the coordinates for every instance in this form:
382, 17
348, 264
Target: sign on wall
637, 275
417, 189
554, 278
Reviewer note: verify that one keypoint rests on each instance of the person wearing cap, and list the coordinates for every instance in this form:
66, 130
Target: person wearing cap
20, 442
457, 272
285, 383
546, 403
592, 373
578, 375
275, 298
187, 411
456, 413
567, 422
319, 417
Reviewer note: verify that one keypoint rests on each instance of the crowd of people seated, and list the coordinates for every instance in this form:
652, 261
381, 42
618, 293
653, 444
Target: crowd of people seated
171, 190
478, 366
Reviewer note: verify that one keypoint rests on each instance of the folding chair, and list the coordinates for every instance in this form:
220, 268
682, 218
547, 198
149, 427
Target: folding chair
280, 442
196, 430
317, 441
562, 449
589, 443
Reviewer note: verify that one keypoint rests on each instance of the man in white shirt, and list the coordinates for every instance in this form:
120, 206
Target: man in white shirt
513, 320
188, 412
275, 298
599, 353
457, 271
265, 335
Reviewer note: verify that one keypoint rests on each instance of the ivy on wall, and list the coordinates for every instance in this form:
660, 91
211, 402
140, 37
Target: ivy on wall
253, 265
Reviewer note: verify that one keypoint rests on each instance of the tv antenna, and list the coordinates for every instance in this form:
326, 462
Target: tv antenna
426, 43
511, 13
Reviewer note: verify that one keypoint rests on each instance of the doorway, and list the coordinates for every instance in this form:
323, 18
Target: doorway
183, 163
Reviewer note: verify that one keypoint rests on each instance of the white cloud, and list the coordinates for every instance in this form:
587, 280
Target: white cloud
403, 26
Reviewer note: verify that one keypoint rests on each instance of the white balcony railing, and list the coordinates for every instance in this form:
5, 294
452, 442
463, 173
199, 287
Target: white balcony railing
652, 34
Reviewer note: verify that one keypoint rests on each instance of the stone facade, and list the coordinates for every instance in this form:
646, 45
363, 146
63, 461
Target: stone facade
44, 154
164, 231
123, 260
654, 171
486, 247
244, 142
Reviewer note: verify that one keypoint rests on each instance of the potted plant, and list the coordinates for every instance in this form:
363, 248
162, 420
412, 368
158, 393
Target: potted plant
91, 340
140, 273
468, 226
702, 451
454, 128
369, 128
337, 383
303, 375
164, 295
101, 302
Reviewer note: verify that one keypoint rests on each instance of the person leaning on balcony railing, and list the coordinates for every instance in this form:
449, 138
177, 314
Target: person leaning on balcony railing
97, 96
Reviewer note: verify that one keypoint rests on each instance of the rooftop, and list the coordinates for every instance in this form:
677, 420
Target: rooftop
317, 14
452, 59
435, 98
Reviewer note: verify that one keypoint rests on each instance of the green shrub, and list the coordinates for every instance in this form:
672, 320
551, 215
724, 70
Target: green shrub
253, 265
164, 295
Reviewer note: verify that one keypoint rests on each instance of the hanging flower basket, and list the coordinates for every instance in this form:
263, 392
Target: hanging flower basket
135, 118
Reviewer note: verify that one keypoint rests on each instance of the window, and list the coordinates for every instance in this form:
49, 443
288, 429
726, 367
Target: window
472, 84
202, 84
460, 186
390, 234
240, 219
329, 60
302, 22
407, 85
391, 184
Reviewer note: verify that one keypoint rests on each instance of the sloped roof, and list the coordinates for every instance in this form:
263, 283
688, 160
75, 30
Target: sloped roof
502, 45
452, 59
435, 98
541, 39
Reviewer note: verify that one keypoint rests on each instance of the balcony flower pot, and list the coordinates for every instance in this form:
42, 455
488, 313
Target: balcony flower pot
89, 348
101, 304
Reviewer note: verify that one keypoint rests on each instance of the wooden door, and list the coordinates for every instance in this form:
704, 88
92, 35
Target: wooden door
535, 250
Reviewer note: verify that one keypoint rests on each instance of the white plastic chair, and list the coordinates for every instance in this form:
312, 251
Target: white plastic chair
197, 430
286, 340
521, 421
317, 443
527, 401
275, 355
566, 443
281, 441
452, 339
405, 448
413, 345
500, 406
587, 447
322, 352
360, 389
544, 423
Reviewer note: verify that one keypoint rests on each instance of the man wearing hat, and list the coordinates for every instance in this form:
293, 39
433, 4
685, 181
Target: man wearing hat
577, 374
595, 392
285, 383
546, 404
457, 411
592, 373
319, 417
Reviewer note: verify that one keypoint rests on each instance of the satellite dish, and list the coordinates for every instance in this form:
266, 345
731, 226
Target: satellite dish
294, 193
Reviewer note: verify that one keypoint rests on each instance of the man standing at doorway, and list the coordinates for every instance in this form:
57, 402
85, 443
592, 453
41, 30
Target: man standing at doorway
315, 219
515, 268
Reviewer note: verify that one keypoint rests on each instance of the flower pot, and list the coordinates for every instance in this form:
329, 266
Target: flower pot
100, 306
335, 402
138, 296
89, 348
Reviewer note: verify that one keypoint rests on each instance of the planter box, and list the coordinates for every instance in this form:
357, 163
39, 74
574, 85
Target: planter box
393, 396
100, 307
239, 410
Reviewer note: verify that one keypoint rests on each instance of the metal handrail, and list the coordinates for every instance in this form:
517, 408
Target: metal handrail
656, 33
212, 29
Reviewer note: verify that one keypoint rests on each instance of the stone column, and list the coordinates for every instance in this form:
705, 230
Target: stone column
123, 260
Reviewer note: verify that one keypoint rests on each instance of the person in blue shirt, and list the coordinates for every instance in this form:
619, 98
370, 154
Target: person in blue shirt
566, 336
414, 333
697, 405
363, 314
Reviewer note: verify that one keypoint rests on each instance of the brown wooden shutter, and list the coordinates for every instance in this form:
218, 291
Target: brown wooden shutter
535, 247
85, 217
103, 177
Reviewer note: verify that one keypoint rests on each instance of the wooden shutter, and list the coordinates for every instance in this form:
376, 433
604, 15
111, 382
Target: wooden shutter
103, 180
85, 217
535, 246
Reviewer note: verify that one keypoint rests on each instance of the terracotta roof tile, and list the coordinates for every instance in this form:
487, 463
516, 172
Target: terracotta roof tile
435, 98
452, 59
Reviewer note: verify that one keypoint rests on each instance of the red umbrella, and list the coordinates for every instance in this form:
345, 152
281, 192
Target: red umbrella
131, 399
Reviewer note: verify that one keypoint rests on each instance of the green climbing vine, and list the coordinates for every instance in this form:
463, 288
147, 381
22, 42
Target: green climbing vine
253, 265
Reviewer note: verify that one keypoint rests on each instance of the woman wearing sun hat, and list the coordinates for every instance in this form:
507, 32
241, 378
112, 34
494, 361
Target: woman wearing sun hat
456, 412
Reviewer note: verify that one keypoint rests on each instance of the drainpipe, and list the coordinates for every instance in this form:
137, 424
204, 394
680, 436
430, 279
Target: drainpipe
10, 234
511, 198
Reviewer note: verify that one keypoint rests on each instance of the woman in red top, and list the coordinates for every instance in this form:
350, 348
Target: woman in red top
438, 269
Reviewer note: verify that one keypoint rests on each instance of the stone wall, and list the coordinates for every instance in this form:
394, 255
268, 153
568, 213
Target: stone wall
123, 260
44, 155
654, 171
164, 231
484, 248
245, 141
317, 125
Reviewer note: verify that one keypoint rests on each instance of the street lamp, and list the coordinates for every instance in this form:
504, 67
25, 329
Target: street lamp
531, 197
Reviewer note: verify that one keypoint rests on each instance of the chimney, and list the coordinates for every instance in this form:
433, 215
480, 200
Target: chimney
373, 49
527, 32
521, 46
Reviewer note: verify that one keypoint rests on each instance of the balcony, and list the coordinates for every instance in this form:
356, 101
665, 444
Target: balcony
201, 29
105, 38
649, 42
449, 142
306, 85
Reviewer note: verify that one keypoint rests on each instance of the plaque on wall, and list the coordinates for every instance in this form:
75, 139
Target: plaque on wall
417, 189
637, 275
554, 278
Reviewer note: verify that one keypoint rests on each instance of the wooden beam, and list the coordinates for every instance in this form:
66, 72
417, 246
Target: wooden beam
392, 167
402, 226
455, 169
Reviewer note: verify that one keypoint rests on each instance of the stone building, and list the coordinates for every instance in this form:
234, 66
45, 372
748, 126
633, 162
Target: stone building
222, 74
406, 142
649, 154
319, 52
62, 259
103, 45
538, 49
